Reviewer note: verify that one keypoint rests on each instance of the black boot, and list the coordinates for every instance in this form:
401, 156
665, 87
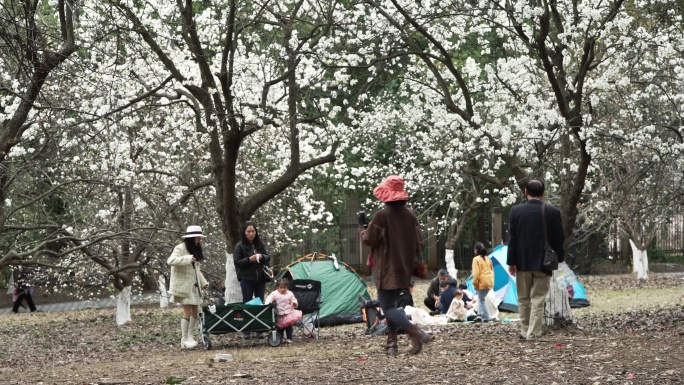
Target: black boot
418, 338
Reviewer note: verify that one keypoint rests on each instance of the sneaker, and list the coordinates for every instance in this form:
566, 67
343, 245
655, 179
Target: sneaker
477, 320
288, 341
260, 335
362, 301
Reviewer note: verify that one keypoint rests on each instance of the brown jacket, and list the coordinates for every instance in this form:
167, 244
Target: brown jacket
395, 239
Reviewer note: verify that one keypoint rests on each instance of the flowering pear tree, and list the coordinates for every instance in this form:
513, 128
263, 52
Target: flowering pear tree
640, 191
246, 72
518, 102
638, 183
36, 40
250, 76
508, 91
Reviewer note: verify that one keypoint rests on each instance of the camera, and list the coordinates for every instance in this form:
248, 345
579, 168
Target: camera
363, 221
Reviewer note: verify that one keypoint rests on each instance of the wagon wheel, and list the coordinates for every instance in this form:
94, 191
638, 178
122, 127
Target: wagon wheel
206, 341
274, 338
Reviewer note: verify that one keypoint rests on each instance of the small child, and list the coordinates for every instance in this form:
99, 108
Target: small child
458, 312
286, 314
468, 297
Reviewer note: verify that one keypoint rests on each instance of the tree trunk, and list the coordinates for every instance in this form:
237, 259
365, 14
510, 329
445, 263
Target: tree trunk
640, 263
233, 292
163, 295
10, 284
123, 306
450, 265
557, 305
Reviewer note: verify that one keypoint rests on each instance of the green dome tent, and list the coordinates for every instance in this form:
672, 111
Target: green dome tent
340, 286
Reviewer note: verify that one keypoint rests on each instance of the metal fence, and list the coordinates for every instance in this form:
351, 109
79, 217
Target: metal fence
669, 241
463, 250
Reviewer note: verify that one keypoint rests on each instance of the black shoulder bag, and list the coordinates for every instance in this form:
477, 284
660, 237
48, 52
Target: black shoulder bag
550, 262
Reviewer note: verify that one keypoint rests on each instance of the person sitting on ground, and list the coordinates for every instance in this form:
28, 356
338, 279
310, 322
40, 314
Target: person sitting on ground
449, 287
458, 312
372, 314
405, 299
433, 290
406, 296
379, 324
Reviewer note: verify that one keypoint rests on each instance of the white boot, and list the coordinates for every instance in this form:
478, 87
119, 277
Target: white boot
192, 327
186, 342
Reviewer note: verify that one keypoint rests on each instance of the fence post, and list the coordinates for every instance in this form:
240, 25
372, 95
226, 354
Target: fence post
497, 226
431, 244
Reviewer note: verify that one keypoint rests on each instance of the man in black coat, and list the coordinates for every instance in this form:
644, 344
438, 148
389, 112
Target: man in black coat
526, 254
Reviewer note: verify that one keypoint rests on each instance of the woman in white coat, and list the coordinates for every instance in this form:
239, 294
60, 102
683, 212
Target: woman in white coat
185, 263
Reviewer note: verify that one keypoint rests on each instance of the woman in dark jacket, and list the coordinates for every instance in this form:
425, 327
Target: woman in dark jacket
250, 256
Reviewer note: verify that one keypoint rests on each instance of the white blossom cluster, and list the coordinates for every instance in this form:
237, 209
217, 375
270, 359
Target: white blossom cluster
465, 100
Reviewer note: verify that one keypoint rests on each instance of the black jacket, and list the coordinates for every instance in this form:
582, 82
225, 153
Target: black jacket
246, 269
526, 236
405, 298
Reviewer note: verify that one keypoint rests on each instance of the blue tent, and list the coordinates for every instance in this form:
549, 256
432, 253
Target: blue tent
579, 295
505, 289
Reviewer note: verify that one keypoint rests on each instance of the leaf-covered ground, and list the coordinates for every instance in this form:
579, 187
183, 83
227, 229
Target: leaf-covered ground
613, 346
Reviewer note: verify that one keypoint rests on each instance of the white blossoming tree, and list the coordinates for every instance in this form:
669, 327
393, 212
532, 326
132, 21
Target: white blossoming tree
34, 45
215, 113
639, 165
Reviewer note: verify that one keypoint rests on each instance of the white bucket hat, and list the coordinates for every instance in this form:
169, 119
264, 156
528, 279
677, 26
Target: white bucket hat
192, 232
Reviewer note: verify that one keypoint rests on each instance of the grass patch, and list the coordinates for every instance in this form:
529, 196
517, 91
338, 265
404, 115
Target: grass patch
633, 299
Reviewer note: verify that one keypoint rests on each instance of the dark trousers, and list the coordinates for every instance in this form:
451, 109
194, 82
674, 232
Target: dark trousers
430, 303
288, 332
24, 295
396, 318
252, 289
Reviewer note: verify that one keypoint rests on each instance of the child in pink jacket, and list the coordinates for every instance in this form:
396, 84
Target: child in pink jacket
286, 314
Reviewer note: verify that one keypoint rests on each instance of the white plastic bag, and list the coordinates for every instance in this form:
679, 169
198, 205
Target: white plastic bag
564, 276
492, 306
418, 316
223, 357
